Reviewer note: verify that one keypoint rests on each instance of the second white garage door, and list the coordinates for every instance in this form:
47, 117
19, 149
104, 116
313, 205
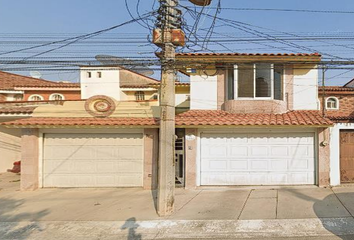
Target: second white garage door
93, 160
257, 159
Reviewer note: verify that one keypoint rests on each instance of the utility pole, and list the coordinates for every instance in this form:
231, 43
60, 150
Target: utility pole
168, 21
168, 35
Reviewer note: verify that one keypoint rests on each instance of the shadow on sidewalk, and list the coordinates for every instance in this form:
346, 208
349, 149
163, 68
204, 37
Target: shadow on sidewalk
338, 227
12, 230
132, 226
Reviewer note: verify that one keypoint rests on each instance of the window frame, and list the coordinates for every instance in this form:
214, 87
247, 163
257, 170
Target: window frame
236, 97
139, 93
336, 101
51, 97
35, 95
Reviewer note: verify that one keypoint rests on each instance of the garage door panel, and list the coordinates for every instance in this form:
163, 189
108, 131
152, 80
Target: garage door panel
238, 151
265, 159
279, 165
93, 160
279, 151
239, 165
259, 151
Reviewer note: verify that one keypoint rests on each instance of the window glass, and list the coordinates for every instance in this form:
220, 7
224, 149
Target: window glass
278, 82
331, 103
35, 98
57, 97
230, 84
139, 96
245, 80
263, 80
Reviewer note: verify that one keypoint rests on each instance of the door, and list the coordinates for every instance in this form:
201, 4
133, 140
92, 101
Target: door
257, 159
347, 156
93, 160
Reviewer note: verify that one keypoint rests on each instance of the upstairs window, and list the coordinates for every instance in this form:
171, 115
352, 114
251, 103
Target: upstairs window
140, 96
35, 97
18, 97
99, 74
56, 97
89, 74
255, 81
332, 103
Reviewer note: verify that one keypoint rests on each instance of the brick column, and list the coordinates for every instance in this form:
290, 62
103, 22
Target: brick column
323, 157
29, 159
220, 89
191, 158
289, 86
151, 153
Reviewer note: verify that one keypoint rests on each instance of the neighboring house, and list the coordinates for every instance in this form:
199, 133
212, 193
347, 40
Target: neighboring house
108, 140
126, 85
19, 88
339, 107
254, 119
109, 82
19, 95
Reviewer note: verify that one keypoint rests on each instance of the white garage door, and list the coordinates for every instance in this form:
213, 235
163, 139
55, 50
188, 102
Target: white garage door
257, 159
93, 160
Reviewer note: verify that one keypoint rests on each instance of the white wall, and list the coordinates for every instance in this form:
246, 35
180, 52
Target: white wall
203, 92
107, 85
305, 89
180, 98
335, 151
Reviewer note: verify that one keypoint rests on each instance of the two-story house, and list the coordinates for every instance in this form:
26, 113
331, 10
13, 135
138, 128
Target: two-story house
339, 107
254, 120
107, 139
18, 88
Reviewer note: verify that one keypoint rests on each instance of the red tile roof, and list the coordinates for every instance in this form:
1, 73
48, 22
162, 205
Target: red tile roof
8, 81
338, 116
250, 54
222, 118
335, 89
17, 110
191, 118
154, 85
72, 121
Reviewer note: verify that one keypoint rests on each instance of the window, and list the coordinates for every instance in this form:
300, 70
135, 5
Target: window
99, 74
263, 80
332, 103
140, 96
56, 97
89, 74
35, 98
18, 97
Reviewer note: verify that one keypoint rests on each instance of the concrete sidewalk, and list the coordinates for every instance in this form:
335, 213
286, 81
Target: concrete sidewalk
211, 207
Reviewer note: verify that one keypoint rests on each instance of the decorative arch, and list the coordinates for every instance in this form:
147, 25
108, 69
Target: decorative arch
56, 97
35, 97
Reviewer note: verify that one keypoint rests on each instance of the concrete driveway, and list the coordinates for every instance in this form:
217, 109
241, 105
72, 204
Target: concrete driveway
248, 209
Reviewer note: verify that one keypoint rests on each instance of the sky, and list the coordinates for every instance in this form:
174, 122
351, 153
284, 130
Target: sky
26, 23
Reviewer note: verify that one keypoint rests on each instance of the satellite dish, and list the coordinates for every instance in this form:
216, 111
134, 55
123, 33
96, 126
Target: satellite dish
35, 74
201, 2
133, 65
